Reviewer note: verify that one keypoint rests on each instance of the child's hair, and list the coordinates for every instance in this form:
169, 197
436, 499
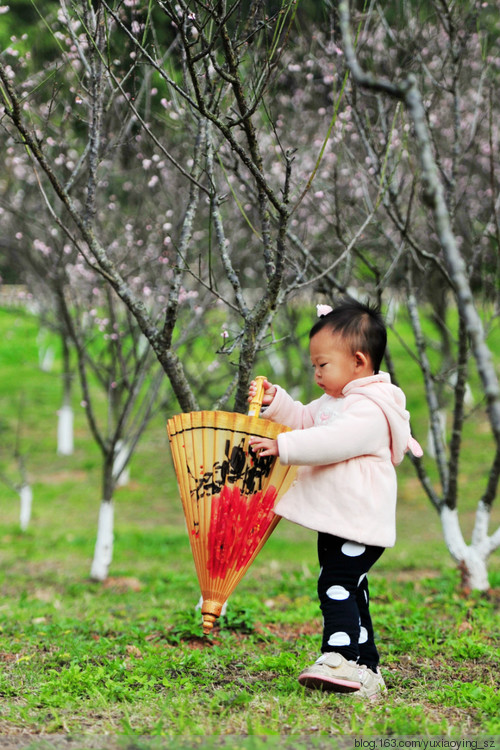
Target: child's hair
361, 325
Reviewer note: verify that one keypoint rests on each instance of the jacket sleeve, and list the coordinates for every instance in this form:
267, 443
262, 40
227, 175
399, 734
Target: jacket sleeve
360, 430
284, 410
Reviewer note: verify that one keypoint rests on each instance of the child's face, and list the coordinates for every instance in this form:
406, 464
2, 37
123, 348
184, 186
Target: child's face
334, 364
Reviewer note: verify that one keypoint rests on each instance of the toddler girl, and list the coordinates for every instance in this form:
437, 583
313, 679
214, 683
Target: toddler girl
346, 443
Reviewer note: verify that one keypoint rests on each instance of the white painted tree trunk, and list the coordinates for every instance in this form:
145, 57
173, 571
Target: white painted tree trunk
46, 359
471, 559
468, 396
431, 444
103, 553
26, 499
46, 353
65, 431
276, 362
121, 473
392, 310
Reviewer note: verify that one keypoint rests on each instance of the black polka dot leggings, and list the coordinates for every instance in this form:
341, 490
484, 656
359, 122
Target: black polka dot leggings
344, 598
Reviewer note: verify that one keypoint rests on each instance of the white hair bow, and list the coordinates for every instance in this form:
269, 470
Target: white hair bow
323, 310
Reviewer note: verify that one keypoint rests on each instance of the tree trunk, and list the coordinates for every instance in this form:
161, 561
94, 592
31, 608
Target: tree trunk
121, 470
46, 358
471, 559
65, 423
46, 354
474, 571
26, 498
65, 431
431, 443
103, 553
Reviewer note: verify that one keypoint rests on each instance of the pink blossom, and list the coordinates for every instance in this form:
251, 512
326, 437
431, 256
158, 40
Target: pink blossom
42, 247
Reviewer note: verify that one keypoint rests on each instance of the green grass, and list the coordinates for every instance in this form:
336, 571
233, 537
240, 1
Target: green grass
127, 659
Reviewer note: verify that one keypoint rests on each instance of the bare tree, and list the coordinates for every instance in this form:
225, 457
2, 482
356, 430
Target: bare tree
119, 377
222, 109
457, 280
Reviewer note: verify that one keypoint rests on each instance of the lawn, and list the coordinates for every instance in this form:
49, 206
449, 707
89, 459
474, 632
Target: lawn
125, 664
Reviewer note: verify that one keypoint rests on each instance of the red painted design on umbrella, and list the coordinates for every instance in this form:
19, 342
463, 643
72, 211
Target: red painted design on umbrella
237, 525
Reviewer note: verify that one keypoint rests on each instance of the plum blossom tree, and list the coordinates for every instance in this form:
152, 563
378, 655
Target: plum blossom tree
119, 376
448, 161
194, 89
112, 353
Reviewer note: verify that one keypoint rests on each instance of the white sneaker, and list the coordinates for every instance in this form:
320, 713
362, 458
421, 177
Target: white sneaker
373, 687
334, 673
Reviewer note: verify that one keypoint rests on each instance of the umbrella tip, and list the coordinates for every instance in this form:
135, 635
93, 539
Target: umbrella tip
210, 610
208, 623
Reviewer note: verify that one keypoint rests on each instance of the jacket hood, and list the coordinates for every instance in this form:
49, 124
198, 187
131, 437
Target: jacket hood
392, 401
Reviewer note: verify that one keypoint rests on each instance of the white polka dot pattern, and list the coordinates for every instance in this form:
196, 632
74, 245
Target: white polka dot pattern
339, 639
353, 549
337, 592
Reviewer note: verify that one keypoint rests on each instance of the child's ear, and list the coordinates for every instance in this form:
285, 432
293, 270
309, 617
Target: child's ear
361, 361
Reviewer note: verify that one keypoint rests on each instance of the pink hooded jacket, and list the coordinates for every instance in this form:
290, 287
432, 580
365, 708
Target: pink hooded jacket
346, 482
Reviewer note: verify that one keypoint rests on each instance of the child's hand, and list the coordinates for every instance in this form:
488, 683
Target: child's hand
264, 446
269, 392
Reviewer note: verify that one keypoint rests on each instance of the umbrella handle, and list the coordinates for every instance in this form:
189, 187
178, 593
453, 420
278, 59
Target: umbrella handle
256, 402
